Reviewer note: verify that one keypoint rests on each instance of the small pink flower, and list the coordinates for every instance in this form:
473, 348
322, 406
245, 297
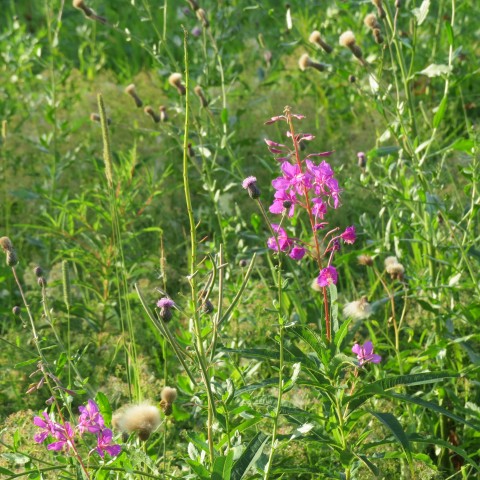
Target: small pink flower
349, 236
297, 253
281, 241
103, 444
90, 419
327, 276
365, 354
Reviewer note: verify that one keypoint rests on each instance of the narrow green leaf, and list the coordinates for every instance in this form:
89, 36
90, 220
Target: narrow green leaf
449, 31
395, 427
104, 406
249, 456
222, 467
26, 362
440, 112
341, 333
224, 116
199, 469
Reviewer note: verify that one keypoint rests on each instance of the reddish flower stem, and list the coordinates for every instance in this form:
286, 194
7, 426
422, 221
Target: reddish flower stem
312, 224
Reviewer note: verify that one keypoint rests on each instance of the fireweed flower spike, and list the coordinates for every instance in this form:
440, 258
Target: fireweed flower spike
90, 419
365, 354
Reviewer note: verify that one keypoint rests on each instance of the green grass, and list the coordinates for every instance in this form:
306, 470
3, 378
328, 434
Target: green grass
263, 391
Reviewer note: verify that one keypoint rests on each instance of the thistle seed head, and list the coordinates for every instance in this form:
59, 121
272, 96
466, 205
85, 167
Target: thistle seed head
306, 62
199, 93
365, 260
371, 21
130, 90
141, 419
358, 310
175, 80
168, 394
151, 113
317, 39
347, 39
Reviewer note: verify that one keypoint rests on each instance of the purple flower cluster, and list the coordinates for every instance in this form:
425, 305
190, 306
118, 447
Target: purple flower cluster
305, 184
365, 354
90, 421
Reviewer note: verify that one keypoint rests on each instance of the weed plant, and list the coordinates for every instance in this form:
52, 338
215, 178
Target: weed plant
179, 303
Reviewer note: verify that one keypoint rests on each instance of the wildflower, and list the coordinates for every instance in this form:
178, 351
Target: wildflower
165, 305
151, 113
8, 248
365, 354
317, 39
130, 90
305, 62
347, 40
366, 260
250, 184
297, 253
196, 31
349, 236
168, 396
281, 242
358, 310
141, 419
90, 419
64, 434
104, 439
284, 201
327, 276
49, 427
175, 80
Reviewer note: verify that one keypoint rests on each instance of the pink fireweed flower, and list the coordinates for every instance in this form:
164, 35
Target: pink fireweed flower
284, 200
319, 209
104, 444
90, 419
365, 354
327, 276
293, 178
49, 427
349, 236
65, 435
281, 241
297, 253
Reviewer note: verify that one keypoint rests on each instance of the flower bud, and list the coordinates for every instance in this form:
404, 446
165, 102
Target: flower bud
199, 93
250, 184
377, 34
165, 305
95, 117
151, 113
347, 40
38, 271
352, 78
163, 113
242, 263
362, 159
207, 307
16, 310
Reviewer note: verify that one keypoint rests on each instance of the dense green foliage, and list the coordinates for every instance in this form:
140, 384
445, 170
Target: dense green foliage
122, 214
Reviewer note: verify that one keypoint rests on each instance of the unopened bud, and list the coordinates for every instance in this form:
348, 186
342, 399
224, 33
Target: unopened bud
352, 78
130, 90
175, 80
38, 271
151, 113
12, 258
378, 35
42, 281
16, 310
243, 263
207, 307
362, 159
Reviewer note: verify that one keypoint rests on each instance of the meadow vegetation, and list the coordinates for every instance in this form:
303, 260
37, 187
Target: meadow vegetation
241, 239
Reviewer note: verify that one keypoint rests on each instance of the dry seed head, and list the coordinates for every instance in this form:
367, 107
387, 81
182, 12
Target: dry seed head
175, 80
366, 260
199, 93
193, 5
12, 258
358, 310
315, 286
390, 260
168, 394
380, 10
395, 270
317, 39
163, 113
306, 62
378, 35
142, 419
202, 16
151, 113
6, 244
371, 21
347, 39
130, 90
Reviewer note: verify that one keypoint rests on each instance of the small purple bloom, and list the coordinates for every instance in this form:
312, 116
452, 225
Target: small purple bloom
165, 303
327, 276
281, 241
297, 253
65, 435
248, 181
90, 419
49, 427
365, 354
349, 236
196, 31
278, 205
103, 444
250, 184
